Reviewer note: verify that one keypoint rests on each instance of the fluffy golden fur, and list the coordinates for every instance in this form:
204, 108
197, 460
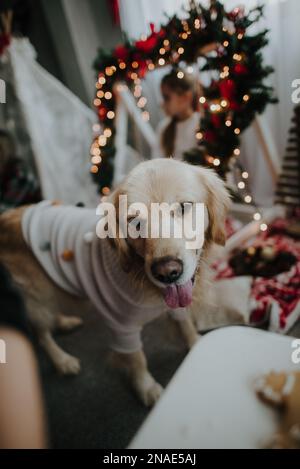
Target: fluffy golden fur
160, 180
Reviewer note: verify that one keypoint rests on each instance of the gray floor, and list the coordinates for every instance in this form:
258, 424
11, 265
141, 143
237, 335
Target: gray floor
97, 409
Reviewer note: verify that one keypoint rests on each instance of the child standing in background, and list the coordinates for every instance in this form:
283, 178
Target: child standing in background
177, 132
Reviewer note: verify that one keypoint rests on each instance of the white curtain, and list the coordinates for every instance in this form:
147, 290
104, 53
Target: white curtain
137, 15
59, 126
283, 53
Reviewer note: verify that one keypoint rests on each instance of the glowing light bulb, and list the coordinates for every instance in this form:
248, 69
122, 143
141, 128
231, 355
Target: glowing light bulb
225, 43
142, 102
216, 162
102, 80
161, 61
108, 95
241, 185
162, 51
109, 71
202, 100
263, 227
246, 97
96, 159
237, 131
122, 65
97, 102
137, 92
215, 107
146, 116
95, 152
199, 135
228, 123
257, 216
180, 75
105, 190
237, 151
237, 57
96, 128
107, 133
245, 175
248, 199
94, 169
180, 50
102, 141
110, 115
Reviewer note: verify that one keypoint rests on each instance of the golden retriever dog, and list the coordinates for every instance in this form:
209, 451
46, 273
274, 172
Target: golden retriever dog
139, 278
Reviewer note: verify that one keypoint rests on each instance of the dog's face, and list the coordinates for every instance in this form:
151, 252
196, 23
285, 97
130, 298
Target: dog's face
167, 261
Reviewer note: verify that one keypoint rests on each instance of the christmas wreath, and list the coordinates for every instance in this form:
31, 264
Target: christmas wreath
235, 94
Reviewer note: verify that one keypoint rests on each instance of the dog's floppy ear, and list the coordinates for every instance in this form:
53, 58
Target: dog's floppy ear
217, 204
118, 242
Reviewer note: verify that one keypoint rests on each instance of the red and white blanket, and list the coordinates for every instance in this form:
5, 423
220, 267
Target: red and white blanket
278, 296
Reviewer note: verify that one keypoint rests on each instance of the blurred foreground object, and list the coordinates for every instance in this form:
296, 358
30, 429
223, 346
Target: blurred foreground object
22, 418
282, 391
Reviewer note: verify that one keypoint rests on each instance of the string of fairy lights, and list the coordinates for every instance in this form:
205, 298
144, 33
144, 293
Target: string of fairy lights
102, 133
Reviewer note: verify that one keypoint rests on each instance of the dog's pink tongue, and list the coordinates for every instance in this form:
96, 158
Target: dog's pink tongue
179, 296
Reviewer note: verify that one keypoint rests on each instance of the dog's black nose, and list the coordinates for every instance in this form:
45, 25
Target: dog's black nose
167, 269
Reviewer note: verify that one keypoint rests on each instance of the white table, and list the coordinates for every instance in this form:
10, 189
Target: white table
211, 401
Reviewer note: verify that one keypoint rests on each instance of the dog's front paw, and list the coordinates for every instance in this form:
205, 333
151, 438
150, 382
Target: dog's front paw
149, 390
68, 365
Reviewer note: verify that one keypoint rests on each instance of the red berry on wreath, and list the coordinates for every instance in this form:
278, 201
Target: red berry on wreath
216, 121
102, 111
227, 89
121, 52
240, 69
234, 106
209, 136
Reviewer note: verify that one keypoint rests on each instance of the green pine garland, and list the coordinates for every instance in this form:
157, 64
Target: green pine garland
230, 102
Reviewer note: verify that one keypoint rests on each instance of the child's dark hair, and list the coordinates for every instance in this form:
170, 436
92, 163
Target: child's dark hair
180, 83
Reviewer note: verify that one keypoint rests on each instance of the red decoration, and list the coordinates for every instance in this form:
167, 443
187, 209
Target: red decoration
150, 43
115, 10
142, 70
240, 69
216, 121
236, 14
209, 136
147, 45
121, 52
227, 89
4, 42
102, 112
234, 106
